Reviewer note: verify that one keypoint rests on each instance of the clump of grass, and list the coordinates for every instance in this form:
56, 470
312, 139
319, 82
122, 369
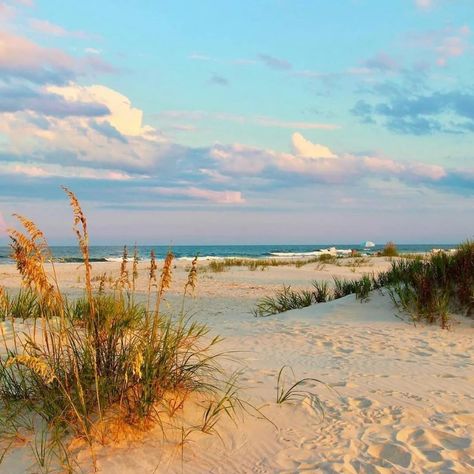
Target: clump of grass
343, 287
298, 391
430, 290
282, 301
263, 263
363, 287
390, 250
322, 292
23, 305
94, 367
218, 266
287, 298
327, 258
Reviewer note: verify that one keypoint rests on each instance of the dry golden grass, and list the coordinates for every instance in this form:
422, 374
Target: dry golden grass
102, 366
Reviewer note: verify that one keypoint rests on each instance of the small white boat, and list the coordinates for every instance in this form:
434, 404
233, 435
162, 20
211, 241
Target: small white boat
369, 244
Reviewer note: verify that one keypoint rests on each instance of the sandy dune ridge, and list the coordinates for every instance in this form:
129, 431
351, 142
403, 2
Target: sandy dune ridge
405, 399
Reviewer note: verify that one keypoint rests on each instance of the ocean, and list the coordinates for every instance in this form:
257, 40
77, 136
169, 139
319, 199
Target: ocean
105, 253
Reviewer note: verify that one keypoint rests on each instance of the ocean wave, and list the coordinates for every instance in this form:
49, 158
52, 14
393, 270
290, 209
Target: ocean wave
296, 254
316, 253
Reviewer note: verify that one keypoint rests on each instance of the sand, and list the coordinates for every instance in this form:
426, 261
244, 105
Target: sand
404, 401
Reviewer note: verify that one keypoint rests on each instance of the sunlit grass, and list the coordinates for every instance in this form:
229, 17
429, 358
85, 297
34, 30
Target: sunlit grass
96, 367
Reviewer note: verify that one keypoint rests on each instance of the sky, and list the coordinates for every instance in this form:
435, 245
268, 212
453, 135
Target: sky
269, 121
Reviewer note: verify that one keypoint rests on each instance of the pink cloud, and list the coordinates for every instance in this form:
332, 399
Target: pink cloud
36, 170
424, 4
48, 28
453, 46
22, 58
319, 162
424, 170
218, 197
445, 43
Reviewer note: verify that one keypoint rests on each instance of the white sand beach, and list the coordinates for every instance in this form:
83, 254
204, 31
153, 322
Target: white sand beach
404, 401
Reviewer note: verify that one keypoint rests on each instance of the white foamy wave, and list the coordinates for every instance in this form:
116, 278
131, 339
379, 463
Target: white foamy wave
296, 254
316, 253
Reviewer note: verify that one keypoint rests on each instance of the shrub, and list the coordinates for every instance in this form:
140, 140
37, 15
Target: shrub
390, 250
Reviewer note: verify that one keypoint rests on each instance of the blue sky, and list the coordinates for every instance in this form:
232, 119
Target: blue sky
240, 122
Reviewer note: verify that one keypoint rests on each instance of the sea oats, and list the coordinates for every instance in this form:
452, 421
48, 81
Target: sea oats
35, 364
192, 276
166, 273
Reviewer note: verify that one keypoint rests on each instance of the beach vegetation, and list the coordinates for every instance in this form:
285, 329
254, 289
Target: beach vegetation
390, 250
101, 367
428, 290
298, 390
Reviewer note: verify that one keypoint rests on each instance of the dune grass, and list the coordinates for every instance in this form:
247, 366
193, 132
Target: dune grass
427, 289
103, 365
253, 264
430, 290
389, 250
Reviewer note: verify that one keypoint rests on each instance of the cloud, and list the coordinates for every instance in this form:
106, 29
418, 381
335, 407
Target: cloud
382, 62
273, 62
303, 147
312, 162
25, 98
218, 80
21, 58
218, 197
200, 57
406, 112
91, 125
37, 170
51, 29
125, 118
424, 4
452, 46
442, 44
262, 121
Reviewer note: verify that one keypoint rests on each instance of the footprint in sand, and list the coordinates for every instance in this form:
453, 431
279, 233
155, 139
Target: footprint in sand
428, 438
395, 454
359, 402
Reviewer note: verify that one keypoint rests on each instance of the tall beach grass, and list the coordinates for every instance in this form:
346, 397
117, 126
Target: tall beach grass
94, 368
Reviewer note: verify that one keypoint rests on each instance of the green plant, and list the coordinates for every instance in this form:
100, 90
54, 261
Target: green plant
295, 390
283, 300
363, 288
101, 365
321, 291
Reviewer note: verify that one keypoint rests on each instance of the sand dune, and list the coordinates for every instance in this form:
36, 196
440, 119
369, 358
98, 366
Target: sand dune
404, 401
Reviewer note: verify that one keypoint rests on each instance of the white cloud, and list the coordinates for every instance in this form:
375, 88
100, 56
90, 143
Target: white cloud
305, 148
43, 170
123, 116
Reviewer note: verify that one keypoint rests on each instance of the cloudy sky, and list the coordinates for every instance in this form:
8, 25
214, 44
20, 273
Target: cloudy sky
269, 121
